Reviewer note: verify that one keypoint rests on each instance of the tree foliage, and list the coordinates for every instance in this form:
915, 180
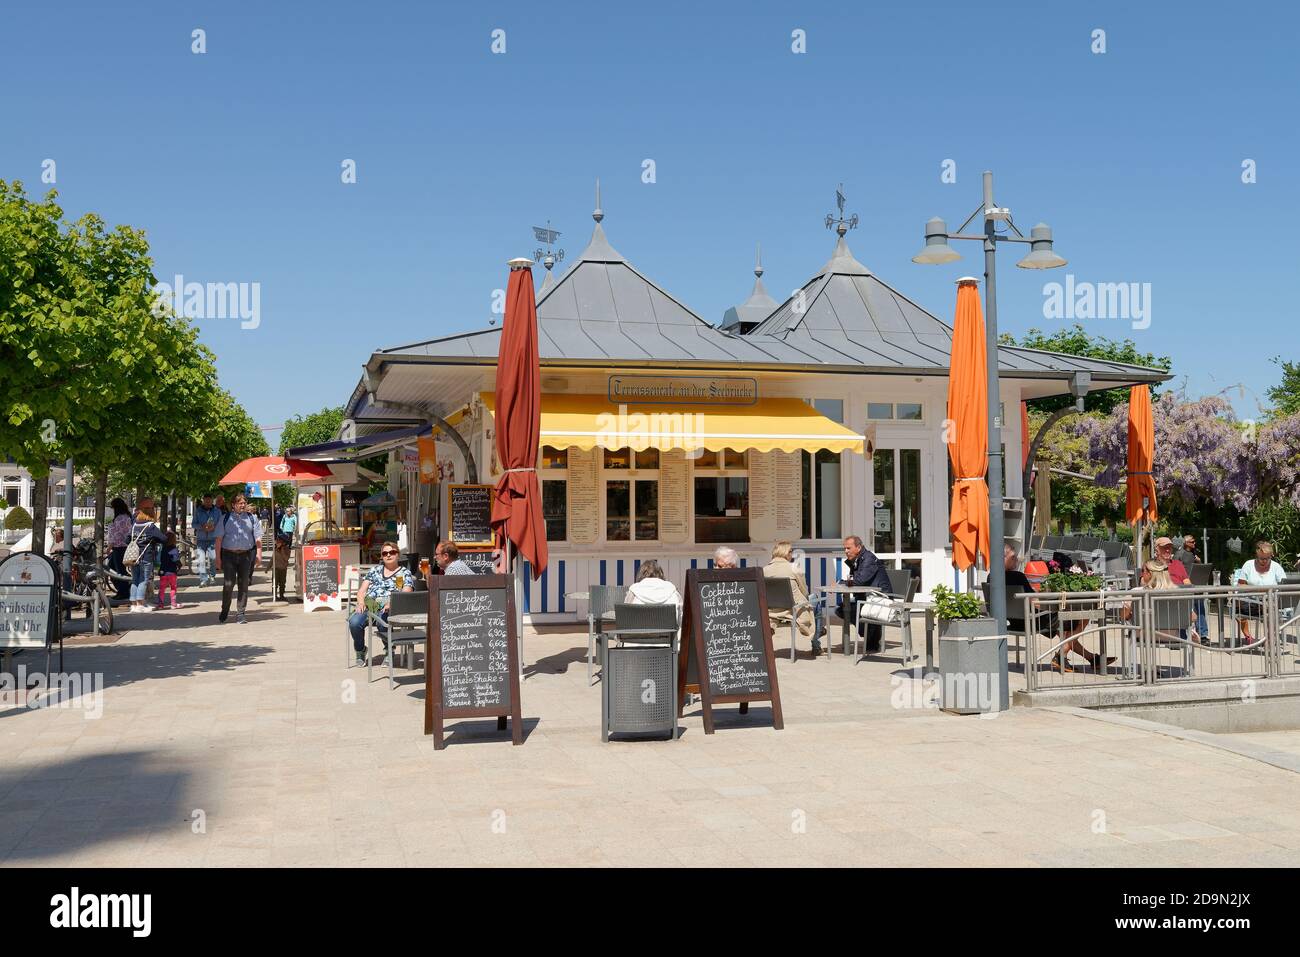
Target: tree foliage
311, 428
1285, 396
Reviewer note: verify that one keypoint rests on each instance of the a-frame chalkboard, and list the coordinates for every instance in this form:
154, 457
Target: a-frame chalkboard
726, 633
472, 668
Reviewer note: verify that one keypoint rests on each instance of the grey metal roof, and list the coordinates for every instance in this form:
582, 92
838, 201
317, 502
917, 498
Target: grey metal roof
759, 305
602, 312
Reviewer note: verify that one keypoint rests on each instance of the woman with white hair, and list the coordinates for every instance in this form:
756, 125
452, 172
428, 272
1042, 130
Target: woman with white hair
1261, 573
724, 557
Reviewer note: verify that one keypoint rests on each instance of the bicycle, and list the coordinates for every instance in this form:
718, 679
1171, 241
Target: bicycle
89, 581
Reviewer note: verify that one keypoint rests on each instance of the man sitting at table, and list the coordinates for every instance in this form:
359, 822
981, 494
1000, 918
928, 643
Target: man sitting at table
724, 557
449, 560
865, 571
375, 595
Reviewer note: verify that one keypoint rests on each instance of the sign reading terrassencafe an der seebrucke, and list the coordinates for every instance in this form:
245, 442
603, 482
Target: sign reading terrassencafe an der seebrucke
683, 390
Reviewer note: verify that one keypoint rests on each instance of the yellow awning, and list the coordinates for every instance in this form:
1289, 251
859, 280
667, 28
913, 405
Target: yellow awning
770, 425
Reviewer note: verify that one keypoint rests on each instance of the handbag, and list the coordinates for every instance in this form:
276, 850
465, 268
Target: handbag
877, 607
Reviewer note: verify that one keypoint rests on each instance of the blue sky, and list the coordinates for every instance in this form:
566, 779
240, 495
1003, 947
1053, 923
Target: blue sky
231, 160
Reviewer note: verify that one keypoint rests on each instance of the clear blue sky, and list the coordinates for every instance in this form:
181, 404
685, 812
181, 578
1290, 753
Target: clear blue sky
231, 159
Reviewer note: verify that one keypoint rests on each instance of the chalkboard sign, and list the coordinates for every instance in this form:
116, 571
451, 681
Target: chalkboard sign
320, 577
469, 514
482, 560
472, 670
727, 641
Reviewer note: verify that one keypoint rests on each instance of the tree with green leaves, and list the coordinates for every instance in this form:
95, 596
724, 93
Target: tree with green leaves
1285, 396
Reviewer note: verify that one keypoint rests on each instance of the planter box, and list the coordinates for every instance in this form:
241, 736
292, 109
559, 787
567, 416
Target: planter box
972, 666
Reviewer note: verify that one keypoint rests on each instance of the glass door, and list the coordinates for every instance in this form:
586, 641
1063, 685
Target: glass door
896, 507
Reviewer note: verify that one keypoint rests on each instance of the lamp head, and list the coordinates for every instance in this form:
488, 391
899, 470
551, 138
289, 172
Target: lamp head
1041, 255
936, 251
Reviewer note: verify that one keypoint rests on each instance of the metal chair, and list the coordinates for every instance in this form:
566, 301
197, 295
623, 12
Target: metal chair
663, 618
399, 636
780, 598
1170, 621
902, 588
601, 600
349, 587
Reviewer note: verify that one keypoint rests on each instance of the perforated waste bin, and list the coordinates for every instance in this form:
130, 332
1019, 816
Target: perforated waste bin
972, 667
639, 691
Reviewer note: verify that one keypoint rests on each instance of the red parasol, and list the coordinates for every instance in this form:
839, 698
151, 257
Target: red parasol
275, 468
1141, 455
517, 501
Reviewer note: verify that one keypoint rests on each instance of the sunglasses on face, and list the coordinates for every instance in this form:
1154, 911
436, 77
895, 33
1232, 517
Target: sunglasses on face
388, 552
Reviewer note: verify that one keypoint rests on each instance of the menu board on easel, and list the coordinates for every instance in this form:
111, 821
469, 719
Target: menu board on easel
472, 670
469, 514
727, 641
320, 577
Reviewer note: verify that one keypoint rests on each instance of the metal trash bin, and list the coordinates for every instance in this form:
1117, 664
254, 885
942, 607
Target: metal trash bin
973, 667
639, 691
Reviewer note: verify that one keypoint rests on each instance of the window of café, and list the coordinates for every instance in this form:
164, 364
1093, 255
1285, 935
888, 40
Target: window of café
821, 494
896, 500
631, 498
555, 509
721, 497
552, 472
898, 411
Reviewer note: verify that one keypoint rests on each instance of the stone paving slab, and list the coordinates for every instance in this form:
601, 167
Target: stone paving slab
253, 745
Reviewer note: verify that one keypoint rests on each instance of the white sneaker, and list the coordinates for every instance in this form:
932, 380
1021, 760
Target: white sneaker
144, 608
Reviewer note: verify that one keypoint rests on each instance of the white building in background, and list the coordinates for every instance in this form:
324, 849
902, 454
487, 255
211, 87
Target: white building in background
16, 485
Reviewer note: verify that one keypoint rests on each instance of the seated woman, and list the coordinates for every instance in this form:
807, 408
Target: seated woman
781, 567
1262, 572
651, 588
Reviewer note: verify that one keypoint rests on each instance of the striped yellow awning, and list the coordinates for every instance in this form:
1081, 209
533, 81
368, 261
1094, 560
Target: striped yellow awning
769, 425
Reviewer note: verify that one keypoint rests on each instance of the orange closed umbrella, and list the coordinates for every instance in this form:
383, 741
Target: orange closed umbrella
1141, 455
968, 521
517, 500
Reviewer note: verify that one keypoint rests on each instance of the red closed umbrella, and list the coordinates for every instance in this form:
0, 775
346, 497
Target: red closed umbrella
517, 500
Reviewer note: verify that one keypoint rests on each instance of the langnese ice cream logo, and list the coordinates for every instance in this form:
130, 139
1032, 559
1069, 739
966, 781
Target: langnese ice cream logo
320, 550
276, 468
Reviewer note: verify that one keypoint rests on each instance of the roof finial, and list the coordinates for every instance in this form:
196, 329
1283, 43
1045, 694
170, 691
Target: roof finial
758, 261
841, 225
598, 214
548, 257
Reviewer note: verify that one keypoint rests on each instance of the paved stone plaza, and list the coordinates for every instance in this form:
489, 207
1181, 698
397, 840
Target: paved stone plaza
228, 745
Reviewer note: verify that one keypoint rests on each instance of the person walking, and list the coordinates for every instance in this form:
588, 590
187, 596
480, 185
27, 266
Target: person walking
238, 548
146, 536
206, 519
280, 562
119, 533
169, 566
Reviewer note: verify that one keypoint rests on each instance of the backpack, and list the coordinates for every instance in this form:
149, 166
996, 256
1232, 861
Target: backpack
131, 557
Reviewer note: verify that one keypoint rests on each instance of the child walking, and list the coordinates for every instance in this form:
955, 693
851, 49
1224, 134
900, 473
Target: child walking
281, 564
168, 567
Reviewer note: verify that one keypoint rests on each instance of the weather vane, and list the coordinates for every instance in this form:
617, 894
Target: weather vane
547, 257
841, 225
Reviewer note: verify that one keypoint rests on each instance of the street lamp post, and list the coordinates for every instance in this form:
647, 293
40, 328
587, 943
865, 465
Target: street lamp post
936, 252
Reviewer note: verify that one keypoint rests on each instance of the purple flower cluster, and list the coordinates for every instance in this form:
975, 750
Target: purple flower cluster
1203, 454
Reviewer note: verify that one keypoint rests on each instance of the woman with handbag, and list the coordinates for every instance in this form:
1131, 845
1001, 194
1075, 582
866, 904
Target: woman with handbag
142, 553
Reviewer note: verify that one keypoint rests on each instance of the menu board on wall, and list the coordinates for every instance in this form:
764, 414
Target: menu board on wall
469, 510
762, 497
584, 503
674, 497
788, 479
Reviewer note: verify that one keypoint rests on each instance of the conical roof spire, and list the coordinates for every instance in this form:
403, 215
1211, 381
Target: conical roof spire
599, 249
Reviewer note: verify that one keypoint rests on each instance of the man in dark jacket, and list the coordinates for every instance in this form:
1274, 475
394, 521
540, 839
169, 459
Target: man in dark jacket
865, 570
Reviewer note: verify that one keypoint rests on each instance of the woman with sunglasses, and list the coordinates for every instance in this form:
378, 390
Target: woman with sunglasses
375, 594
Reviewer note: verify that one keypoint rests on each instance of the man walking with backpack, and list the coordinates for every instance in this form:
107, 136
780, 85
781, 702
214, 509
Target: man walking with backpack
238, 548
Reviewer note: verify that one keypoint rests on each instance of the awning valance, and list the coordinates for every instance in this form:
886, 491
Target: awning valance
769, 425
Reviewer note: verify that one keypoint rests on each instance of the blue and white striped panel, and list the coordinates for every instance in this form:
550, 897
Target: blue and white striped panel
546, 595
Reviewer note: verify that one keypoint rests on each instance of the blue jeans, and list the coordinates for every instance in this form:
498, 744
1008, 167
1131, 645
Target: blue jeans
1202, 626
140, 577
205, 560
357, 625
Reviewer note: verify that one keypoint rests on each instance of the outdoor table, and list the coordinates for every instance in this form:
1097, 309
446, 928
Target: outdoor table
910, 608
838, 589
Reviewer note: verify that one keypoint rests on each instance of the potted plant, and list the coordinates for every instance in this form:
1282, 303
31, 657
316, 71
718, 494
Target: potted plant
972, 655
960, 614
1059, 581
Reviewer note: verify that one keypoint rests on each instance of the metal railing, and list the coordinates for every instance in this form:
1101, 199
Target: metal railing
1154, 636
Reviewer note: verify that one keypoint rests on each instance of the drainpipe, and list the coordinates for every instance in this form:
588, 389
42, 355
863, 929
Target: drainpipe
457, 439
